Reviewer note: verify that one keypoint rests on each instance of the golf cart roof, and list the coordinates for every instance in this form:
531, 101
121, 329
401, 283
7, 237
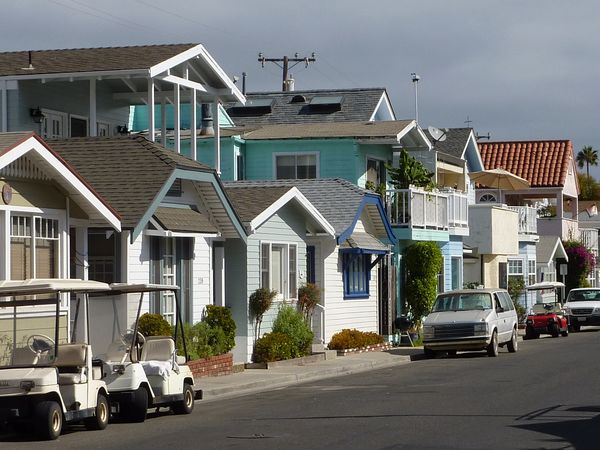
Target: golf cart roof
11, 288
133, 288
545, 285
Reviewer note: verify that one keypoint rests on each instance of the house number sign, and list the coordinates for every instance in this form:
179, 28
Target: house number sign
7, 193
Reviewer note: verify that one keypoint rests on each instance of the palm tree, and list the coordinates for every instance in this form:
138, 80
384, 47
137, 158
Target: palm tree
588, 156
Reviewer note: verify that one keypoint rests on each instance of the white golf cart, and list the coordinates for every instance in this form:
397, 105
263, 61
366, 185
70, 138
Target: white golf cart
44, 380
140, 372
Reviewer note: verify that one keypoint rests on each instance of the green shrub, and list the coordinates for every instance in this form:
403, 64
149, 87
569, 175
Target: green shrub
258, 304
220, 317
273, 347
352, 338
290, 321
423, 261
154, 325
202, 341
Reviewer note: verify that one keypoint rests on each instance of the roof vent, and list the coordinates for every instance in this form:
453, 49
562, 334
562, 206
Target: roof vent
298, 99
30, 67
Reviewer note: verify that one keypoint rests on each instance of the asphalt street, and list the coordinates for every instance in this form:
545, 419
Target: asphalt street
545, 396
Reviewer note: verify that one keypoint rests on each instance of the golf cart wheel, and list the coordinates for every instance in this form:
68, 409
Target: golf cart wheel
100, 420
512, 345
185, 406
575, 328
554, 330
135, 411
530, 333
492, 349
47, 420
565, 333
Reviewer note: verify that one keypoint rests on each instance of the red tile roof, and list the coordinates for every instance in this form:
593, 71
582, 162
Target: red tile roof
542, 163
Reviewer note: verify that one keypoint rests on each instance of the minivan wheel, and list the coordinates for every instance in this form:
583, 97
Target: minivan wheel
429, 353
512, 344
492, 349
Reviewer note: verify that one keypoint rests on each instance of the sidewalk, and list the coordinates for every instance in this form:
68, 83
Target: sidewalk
257, 380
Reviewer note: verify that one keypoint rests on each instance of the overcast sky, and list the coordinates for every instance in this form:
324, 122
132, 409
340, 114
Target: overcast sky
519, 69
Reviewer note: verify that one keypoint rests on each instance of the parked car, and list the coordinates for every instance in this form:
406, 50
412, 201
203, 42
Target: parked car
471, 319
583, 307
547, 315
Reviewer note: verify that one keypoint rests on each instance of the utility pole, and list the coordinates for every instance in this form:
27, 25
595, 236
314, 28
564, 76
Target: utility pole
415, 79
284, 63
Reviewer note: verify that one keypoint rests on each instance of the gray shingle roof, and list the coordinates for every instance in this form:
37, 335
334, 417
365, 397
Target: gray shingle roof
9, 140
356, 105
455, 142
377, 130
88, 59
336, 199
251, 200
128, 171
184, 219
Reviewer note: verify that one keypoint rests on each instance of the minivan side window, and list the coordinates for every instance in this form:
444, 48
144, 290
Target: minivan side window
505, 301
511, 305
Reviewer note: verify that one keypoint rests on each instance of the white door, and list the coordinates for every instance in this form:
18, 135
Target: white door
53, 125
277, 270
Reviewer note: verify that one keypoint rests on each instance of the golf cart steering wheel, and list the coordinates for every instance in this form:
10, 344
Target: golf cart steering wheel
40, 343
129, 335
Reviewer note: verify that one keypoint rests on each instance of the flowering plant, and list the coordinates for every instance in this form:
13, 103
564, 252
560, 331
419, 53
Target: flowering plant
581, 263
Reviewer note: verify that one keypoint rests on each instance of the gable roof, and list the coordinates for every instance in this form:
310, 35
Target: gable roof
134, 174
455, 143
87, 59
549, 248
353, 105
34, 150
184, 220
542, 163
339, 201
392, 129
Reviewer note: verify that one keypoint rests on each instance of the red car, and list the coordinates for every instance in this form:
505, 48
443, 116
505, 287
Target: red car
547, 318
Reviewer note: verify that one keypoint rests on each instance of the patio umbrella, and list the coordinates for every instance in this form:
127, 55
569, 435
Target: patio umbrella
499, 179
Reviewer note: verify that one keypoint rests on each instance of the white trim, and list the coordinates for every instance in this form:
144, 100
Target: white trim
169, 233
285, 269
4, 107
182, 82
93, 118
33, 144
374, 158
307, 153
105, 74
383, 99
293, 193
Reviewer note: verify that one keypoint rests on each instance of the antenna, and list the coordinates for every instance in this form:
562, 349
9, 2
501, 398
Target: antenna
482, 136
415, 80
437, 134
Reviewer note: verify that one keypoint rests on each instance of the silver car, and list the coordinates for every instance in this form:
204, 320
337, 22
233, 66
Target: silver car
471, 319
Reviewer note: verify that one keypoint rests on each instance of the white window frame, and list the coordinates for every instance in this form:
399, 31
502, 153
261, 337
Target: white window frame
378, 159
100, 125
531, 271
460, 272
33, 213
441, 276
285, 269
317, 162
65, 123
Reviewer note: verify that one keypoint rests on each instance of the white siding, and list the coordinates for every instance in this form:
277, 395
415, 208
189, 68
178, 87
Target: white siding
201, 277
138, 271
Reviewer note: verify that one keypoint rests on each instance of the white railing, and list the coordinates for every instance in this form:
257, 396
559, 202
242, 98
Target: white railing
318, 324
458, 209
589, 237
417, 208
527, 219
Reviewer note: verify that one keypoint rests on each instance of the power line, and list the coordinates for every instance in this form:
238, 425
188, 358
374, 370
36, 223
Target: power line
285, 61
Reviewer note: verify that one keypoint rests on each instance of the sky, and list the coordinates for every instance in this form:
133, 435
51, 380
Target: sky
516, 69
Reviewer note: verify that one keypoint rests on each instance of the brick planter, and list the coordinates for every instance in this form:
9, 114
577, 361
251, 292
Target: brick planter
370, 348
214, 366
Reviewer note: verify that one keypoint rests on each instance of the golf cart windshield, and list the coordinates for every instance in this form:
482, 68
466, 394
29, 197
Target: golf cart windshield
34, 318
584, 295
463, 302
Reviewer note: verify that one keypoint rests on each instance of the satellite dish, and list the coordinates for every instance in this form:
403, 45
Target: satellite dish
437, 134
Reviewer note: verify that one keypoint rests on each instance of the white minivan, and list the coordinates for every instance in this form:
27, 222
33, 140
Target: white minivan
471, 319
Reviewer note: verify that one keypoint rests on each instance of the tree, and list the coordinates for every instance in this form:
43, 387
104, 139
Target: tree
259, 303
587, 156
589, 187
409, 171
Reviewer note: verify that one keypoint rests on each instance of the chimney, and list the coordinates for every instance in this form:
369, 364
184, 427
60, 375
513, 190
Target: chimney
207, 121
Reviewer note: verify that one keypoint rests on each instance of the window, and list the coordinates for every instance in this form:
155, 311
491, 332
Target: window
310, 264
295, 166
441, 279
376, 171
79, 126
103, 129
456, 263
532, 271
502, 275
279, 269
239, 167
356, 273
515, 269
487, 198
33, 250
103, 255
53, 125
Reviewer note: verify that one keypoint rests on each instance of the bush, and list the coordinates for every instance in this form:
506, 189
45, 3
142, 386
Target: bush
347, 338
516, 287
259, 303
289, 321
273, 347
202, 341
154, 325
220, 317
581, 264
308, 298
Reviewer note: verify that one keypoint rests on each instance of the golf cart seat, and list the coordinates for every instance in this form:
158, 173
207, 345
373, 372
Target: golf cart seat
542, 308
158, 348
71, 362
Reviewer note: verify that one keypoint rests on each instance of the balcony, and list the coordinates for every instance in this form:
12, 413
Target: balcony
417, 208
565, 228
527, 220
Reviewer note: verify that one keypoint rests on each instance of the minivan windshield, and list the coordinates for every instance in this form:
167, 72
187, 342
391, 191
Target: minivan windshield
582, 295
462, 302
